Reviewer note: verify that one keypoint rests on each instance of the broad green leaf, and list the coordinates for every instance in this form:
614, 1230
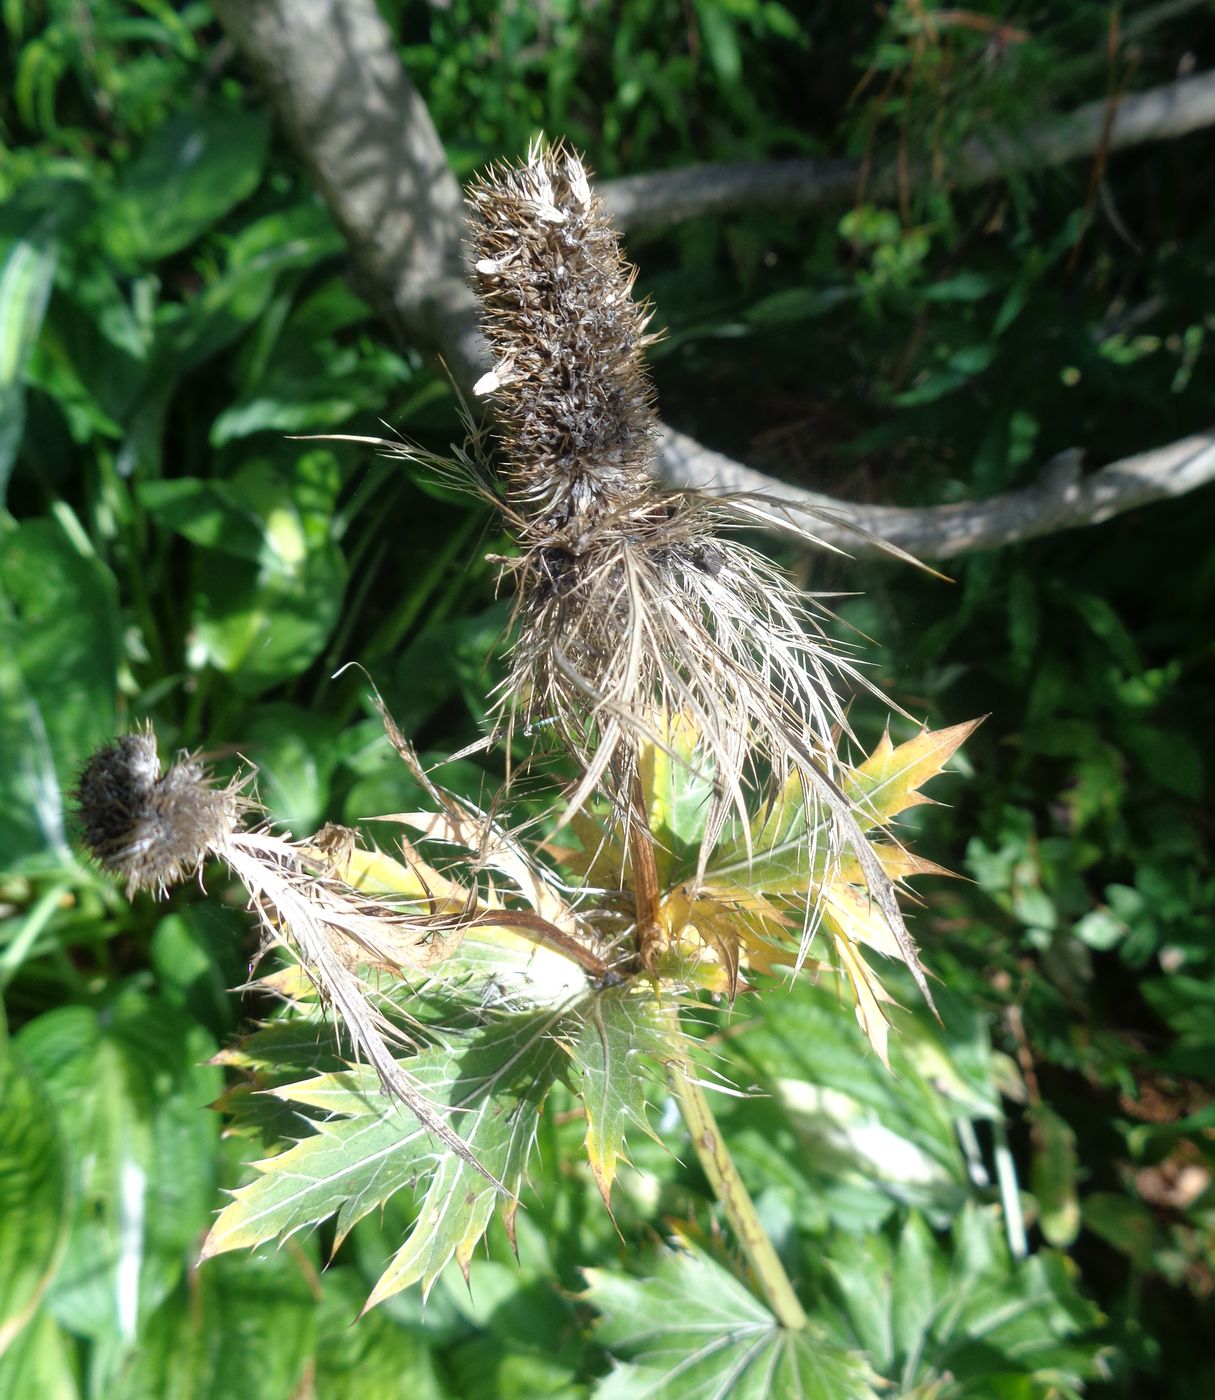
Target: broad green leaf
207, 513
59, 655
92, 357
40, 1362
242, 1327
300, 236
494, 1080
264, 621
889, 780
191, 171
1126, 1224
622, 1029
965, 1320
377, 1357
27, 270
855, 1126
295, 752
197, 954
34, 1200
691, 1331
130, 1092
919, 1276
1054, 1177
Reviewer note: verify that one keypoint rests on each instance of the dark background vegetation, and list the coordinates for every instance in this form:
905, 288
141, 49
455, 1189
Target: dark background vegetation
173, 303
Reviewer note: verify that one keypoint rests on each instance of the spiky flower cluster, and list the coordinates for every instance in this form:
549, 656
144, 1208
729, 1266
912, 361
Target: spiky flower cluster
630, 604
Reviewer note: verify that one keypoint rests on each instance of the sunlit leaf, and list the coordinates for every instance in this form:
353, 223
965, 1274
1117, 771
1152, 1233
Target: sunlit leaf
240, 1327
34, 1179
191, 171
968, 1317
26, 272
40, 1362
59, 653
691, 1331
621, 1029
494, 1081
889, 780
129, 1089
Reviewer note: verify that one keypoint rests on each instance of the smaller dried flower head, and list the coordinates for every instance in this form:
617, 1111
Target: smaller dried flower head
152, 829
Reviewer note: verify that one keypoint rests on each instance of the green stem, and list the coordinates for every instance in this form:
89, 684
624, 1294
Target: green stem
735, 1199
693, 1104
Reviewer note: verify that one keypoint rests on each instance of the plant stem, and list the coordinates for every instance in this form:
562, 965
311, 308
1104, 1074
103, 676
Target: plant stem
735, 1199
710, 1146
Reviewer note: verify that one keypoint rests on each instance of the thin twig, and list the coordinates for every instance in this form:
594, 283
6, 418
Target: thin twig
664, 198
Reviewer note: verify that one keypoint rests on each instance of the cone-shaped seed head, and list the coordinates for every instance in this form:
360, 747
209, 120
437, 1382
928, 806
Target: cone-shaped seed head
569, 382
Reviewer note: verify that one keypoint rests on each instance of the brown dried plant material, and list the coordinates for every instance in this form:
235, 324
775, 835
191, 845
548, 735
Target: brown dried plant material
630, 603
570, 385
155, 829
152, 829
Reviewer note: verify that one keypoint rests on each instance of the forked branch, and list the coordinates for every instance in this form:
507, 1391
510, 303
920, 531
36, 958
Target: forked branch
332, 73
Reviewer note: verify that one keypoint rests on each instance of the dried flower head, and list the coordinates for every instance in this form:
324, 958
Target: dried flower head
155, 829
149, 828
630, 603
569, 380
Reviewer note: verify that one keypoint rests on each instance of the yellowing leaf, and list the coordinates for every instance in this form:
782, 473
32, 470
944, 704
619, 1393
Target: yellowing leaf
732, 923
494, 850
897, 861
889, 780
677, 787
869, 997
850, 914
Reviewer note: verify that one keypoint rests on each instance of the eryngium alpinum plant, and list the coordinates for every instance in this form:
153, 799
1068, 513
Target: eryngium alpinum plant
712, 834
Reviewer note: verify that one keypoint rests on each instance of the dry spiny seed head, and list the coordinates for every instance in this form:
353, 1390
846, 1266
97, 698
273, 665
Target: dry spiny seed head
572, 394
149, 828
630, 608
628, 603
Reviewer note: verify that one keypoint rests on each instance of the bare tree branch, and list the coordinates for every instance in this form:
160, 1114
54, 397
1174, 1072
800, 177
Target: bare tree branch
669, 197
332, 73
1061, 499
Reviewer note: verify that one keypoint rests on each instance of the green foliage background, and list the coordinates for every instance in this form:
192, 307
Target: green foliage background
173, 302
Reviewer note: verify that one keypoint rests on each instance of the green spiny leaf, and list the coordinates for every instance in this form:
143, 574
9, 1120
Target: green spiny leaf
495, 1080
620, 1026
691, 1331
